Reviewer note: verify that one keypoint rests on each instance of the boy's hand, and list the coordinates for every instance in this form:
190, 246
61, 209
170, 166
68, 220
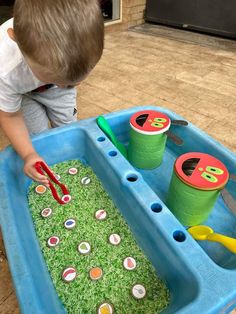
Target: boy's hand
13, 125
30, 170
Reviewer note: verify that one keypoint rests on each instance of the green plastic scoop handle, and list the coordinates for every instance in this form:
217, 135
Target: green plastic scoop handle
105, 127
206, 233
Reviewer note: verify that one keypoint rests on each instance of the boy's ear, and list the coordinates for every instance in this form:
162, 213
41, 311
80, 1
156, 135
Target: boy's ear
11, 33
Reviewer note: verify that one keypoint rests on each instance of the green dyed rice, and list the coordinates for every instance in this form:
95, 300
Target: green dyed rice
84, 295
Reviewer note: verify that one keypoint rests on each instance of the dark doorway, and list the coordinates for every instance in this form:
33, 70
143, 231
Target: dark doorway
6, 8
210, 16
106, 6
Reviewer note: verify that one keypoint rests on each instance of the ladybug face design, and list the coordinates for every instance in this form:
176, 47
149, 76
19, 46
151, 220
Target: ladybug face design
194, 170
150, 122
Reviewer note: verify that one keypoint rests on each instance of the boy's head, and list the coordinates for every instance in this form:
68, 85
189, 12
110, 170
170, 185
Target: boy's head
62, 40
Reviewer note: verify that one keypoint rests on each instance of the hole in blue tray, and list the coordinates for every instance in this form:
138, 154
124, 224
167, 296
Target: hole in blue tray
112, 153
179, 236
101, 139
132, 177
156, 207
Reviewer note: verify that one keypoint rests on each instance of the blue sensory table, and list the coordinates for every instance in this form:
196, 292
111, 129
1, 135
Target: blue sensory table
201, 276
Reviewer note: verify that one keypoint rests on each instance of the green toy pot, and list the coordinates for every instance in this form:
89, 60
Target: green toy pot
147, 138
195, 185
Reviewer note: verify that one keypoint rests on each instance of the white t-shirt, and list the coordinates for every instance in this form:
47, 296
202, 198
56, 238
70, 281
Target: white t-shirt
16, 78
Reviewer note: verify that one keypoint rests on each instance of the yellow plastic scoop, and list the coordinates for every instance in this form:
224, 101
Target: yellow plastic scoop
206, 233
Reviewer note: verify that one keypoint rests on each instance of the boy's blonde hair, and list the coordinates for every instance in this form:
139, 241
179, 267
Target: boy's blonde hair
63, 36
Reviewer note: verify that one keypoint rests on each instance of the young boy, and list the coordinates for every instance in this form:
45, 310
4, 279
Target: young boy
45, 51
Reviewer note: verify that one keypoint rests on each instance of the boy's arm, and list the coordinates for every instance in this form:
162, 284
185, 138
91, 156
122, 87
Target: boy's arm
15, 129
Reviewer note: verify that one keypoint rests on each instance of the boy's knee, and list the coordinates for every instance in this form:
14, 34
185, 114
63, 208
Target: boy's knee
62, 118
36, 127
35, 116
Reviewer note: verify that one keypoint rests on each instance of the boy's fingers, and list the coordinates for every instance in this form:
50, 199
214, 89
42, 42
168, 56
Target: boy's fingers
38, 177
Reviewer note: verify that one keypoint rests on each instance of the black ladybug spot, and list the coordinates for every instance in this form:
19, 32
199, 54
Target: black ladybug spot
140, 120
189, 166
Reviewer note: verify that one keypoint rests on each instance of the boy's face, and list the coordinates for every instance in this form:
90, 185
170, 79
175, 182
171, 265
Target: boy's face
45, 76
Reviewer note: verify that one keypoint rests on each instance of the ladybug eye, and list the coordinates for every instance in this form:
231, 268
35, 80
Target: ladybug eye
160, 120
214, 170
209, 177
157, 125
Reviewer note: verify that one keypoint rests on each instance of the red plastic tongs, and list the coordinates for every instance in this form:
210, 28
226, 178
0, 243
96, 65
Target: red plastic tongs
41, 167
